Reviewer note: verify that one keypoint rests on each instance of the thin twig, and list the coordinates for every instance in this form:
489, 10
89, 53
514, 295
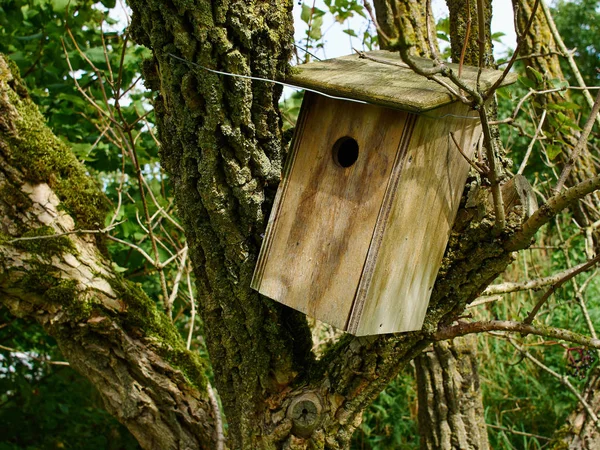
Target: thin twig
29, 355
473, 164
499, 81
520, 433
531, 144
536, 284
432, 47
564, 380
467, 35
569, 55
380, 32
66, 233
177, 280
559, 283
494, 173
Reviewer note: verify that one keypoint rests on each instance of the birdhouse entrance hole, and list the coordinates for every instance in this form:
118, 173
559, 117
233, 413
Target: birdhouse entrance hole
345, 151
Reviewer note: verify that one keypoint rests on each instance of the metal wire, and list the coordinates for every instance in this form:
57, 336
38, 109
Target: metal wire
281, 83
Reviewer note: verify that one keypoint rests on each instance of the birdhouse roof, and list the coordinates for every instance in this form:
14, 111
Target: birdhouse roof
384, 82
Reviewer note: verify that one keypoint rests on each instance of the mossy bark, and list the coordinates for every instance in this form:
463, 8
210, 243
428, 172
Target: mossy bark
409, 16
106, 327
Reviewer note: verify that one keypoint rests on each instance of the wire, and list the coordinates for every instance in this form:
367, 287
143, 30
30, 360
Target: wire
281, 83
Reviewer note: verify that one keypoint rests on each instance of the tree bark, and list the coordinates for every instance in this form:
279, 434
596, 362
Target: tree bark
222, 149
410, 16
106, 327
451, 414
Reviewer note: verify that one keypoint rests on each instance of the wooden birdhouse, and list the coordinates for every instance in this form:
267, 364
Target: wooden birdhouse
369, 194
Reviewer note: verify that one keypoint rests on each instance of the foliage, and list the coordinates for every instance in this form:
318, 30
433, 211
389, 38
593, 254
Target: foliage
579, 25
45, 406
391, 422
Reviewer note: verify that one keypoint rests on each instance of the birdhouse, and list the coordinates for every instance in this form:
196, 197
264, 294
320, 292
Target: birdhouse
370, 191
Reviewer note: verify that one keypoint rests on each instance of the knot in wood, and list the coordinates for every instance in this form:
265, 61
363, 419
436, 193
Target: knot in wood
305, 412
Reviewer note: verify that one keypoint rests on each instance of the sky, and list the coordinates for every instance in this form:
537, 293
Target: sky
338, 43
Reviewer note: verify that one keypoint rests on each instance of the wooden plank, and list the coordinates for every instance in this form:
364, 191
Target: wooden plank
325, 216
383, 84
395, 294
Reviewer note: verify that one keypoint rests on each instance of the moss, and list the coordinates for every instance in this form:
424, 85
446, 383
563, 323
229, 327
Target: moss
46, 246
15, 197
42, 157
44, 280
143, 316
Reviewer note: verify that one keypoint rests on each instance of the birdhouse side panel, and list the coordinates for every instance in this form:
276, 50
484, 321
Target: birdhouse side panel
394, 294
322, 229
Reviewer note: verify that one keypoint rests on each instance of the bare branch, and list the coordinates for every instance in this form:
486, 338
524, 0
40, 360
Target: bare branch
531, 144
558, 284
464, 328
548, 210
37, 358
505, 288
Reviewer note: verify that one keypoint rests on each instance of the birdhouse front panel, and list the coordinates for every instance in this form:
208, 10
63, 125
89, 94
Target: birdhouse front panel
327, 206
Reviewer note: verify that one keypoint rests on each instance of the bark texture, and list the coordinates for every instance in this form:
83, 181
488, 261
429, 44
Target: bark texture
451, 414
410, 16
106, 327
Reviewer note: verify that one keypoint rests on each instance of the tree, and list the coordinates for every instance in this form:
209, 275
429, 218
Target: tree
223, 147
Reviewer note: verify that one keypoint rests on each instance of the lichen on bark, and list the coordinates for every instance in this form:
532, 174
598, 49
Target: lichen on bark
106, 327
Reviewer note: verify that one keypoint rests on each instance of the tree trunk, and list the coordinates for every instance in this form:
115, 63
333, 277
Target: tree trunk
451, 414
106, 327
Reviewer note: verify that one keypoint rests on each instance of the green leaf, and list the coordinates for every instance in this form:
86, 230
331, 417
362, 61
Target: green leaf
118, 268
306, 13
96, 55
350, 32
538, 76
553, 151
527, 82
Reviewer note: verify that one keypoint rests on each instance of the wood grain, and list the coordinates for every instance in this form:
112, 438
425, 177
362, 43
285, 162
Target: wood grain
324, 217
394, 295
383, 84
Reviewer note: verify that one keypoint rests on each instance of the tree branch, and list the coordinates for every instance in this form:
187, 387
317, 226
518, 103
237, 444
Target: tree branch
465, 328
547, 211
